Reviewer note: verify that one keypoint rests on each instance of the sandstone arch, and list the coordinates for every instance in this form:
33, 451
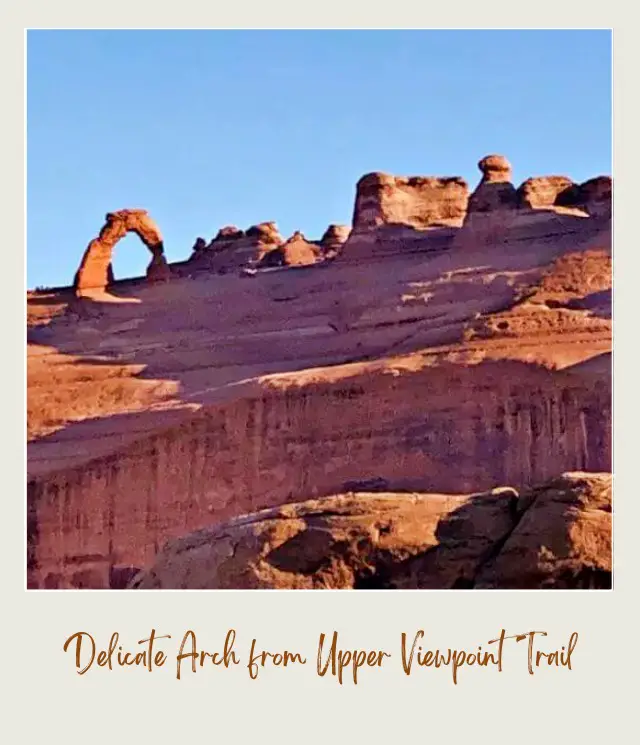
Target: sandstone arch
94, 272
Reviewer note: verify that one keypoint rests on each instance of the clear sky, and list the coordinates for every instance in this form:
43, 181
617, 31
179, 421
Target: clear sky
210, 128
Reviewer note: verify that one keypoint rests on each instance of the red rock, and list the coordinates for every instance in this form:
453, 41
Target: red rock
229, 231
495, 169
93, 271
158, 269
296, 251
562, 537
232, 248
418, 367
495, 190
594, 196
348, 541
542, 191
419, 202
555, 535
334, 238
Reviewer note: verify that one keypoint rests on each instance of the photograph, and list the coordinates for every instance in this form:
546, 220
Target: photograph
319, 309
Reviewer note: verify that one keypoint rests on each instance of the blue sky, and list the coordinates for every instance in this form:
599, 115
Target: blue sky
210, 128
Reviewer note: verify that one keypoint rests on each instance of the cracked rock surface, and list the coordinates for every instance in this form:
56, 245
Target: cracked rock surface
554, 535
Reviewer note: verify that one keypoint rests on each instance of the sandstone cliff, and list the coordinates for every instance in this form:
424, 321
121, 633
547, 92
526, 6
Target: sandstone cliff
432, 359
418, 201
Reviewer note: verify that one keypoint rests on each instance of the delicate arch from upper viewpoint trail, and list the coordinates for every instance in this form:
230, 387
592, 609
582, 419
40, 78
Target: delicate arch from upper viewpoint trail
94, 272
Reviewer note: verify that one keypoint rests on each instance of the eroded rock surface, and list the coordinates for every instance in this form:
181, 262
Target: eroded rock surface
417, 201
542, 191
168, 408
232, 248
594, 196
93, 272
333, 239
562, 537
558, 534
495, 190
296, 251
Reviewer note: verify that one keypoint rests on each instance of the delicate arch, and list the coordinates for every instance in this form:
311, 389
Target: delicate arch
94, 272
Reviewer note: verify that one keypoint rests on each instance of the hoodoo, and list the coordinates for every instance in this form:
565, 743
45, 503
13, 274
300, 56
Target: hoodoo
94, 271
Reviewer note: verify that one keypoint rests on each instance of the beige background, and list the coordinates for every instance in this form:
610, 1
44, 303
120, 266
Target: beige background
45, 697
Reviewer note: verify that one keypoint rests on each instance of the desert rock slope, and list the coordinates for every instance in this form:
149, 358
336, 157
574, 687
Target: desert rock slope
398, 371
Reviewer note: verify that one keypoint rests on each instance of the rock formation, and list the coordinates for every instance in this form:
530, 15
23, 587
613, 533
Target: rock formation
594, 196
406, 365
418, 201
393, 214
333, 239
562, 537
233, 249
495, 190
542, 191
93, 273
296, 251
555, 535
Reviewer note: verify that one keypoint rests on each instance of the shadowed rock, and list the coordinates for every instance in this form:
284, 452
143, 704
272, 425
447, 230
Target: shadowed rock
562, 538
495, 190
594, 196
542, 191
558, 534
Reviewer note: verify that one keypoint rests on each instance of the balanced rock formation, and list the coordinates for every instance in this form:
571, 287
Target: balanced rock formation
94, 270
542, 191
556, 535
495, 190
418, 201
498, 212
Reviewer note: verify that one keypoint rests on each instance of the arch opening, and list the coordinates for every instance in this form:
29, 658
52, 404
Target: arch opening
129, 260
95, 272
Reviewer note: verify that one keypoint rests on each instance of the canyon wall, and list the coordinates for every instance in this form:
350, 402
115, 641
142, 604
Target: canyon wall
452, 429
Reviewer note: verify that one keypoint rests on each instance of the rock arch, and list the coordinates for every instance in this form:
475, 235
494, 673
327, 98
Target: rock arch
94, 272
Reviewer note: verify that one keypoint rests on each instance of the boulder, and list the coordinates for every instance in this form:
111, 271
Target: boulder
340, 542
562, 537
554, 535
